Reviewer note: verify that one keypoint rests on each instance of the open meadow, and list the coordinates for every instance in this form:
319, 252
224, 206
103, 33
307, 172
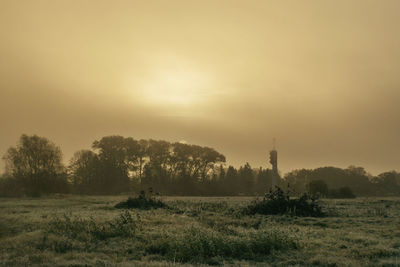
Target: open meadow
89, 231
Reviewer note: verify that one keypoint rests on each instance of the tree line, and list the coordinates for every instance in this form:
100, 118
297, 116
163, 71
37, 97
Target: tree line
332, 181
117, 164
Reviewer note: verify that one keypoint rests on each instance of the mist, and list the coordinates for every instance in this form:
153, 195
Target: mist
322, 78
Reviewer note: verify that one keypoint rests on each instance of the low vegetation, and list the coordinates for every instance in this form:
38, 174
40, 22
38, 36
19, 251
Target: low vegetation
202, 245
90, 231
279, 202
142, 201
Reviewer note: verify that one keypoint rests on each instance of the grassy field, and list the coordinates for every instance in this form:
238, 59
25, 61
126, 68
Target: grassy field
89, 231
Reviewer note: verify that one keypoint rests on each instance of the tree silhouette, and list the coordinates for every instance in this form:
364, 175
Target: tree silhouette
36, 163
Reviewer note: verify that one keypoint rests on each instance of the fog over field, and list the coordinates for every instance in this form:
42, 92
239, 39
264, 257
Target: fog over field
199, 133
320, 76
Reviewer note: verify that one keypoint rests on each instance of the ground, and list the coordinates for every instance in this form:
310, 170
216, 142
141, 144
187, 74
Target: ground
89, 231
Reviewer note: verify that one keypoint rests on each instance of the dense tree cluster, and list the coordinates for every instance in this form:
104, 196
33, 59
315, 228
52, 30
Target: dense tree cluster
120, 164
318, 188
116, 164
355, 179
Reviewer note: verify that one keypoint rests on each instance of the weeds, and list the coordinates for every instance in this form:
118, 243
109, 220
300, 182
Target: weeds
198, 245
362, 234
9, 227
193, 244
89, 229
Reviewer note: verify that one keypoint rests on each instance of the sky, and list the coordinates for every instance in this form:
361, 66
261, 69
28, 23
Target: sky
322, 77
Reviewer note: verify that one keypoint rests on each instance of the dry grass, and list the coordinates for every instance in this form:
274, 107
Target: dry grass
357, 232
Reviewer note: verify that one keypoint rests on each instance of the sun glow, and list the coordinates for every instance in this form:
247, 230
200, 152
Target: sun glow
175, 88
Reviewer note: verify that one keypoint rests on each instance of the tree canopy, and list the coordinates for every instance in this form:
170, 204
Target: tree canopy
36, 163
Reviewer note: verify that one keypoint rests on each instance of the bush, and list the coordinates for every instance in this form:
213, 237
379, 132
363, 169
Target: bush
343, 192
279, 202
141, 202
318, 188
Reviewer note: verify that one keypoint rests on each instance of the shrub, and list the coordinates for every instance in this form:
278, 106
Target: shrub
141, 202
318, 188
343, 192
279, 202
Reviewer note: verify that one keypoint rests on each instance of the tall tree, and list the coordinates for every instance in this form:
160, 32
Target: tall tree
114, 164
246, 176
83, 171
264, 180
232, 186
36, 163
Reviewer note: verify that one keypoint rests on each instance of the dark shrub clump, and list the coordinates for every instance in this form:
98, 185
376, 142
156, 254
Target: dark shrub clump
343, 192
9, 187
141, 202
278, 202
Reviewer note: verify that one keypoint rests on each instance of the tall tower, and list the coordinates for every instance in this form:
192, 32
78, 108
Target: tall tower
273, 159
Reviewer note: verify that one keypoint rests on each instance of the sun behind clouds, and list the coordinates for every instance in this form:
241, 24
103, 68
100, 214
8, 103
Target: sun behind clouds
175, 88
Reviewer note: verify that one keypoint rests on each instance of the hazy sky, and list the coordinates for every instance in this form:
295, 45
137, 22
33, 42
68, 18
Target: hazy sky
323, 77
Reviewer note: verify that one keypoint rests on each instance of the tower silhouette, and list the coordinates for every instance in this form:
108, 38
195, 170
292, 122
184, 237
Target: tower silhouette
273, 159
